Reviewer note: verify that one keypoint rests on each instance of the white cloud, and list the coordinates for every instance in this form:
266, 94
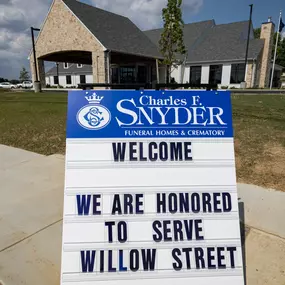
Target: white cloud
16, 18
145, 13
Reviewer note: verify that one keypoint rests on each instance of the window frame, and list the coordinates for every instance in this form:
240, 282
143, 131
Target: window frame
127, 72
57, 79
219, 69
192, 72
68, 76
81, 76
65, 65
235, 68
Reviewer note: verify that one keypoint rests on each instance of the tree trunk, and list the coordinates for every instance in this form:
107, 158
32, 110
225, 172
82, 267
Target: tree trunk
167, 74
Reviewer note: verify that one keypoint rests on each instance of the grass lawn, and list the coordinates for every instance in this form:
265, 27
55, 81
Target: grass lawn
33, 122
37, 123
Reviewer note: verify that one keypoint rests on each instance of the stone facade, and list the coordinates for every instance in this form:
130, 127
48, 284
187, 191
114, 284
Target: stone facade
267, 33
249, 74
63, 32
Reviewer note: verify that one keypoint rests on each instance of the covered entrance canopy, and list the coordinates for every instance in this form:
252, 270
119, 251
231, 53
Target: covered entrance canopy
118, 51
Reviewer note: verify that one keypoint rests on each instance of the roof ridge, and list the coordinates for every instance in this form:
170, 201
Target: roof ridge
244, 21
113, 31
200, 22
95, 7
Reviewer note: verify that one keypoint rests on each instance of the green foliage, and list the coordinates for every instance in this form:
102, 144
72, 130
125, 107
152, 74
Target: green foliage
280, 57
24, 75
3, 79
171, 42
257, 33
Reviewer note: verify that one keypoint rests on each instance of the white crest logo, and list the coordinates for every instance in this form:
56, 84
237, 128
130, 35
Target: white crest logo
94, 116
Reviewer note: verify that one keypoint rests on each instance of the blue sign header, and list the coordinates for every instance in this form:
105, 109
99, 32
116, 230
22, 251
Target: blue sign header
130, 114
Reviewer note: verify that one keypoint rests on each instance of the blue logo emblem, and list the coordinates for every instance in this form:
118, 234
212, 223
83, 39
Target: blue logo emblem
94, 116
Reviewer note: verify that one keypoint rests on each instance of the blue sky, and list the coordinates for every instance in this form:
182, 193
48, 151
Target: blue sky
225, 11
16, 18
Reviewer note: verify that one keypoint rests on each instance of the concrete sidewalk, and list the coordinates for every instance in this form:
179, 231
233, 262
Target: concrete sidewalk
31, 214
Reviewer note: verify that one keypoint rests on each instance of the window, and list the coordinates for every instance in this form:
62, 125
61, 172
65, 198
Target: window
68, 79
115, 75
142, 74
65, 65
237, 73
195, 75
79, 65
215, 74
55, 80
82, 79
128, 74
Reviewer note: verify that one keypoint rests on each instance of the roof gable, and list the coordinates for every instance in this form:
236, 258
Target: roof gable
226, 42
205, 41
115, 32
72, 69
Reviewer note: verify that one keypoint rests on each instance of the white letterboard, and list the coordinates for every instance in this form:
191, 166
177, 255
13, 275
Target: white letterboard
150, 189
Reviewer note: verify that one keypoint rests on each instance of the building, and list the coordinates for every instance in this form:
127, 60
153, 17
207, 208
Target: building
216, 54
119, 52
69, 75
283, 80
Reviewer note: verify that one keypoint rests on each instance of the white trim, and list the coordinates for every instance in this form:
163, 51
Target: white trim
104, 49
79, 65
65, 65
214, 62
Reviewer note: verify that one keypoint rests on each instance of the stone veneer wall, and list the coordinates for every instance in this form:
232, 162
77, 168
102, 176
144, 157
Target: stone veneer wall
249, 74
61, 32
267, 33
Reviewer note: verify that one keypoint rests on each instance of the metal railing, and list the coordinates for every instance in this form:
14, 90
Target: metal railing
142, 86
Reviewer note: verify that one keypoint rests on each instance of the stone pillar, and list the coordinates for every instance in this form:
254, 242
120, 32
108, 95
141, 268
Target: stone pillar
107, 67
267, 33
249, 74
41, 71
99, 67
32, 66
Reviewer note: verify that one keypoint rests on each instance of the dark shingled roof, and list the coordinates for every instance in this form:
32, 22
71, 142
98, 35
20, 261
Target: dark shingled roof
226, 42
208, 42
115, 32
72, 69
192, 32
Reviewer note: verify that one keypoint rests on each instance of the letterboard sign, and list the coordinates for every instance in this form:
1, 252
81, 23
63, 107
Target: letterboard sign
150, 189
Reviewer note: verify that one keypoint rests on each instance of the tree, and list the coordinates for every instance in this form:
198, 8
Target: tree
280, 58
3, 80
171, 42
24, 75
257, 33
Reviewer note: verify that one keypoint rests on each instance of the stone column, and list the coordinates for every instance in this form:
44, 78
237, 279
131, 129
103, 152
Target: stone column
249, 74
99, 67
41, 72
267, 33
107, 67
32, 66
